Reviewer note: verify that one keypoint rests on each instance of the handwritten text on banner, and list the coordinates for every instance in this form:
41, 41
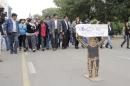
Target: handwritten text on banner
92, 30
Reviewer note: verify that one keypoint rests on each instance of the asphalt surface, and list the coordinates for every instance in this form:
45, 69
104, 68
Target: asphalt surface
65, 67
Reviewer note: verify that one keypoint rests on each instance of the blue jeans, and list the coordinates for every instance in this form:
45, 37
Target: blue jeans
13, 42
109, 42
7, 42
48, 41
31, 41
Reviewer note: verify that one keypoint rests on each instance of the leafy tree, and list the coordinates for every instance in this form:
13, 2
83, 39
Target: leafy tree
50, 12
102, 10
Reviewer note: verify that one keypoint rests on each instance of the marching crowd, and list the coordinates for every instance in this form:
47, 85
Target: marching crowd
35, 34
49, 33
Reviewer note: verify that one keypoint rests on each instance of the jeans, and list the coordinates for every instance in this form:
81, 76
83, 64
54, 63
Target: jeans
7, 42
31, 41
22, 41
48, 41
126, 39
109, 42
54, 39
13, 41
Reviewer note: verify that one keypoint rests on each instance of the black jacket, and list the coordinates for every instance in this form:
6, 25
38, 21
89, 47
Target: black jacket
64, 26
30, 29
110, 31
127, 31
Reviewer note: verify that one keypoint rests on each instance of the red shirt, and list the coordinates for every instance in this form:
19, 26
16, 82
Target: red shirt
43, 30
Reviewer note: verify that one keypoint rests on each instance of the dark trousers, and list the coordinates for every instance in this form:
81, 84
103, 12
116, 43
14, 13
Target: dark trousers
31, 41
39, 41
54, 39
22, 41
43, 42
76, 41
13, 41
126, 39
66, 39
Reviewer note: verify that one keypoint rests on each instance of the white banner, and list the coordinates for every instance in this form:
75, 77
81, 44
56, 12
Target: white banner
92, 30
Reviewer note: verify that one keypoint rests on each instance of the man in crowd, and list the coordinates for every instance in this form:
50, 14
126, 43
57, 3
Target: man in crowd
65, 32
12, 30
48, 36
55, 30
110, 34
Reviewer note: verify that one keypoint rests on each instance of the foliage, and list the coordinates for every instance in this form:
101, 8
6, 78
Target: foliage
50, 12
102, 10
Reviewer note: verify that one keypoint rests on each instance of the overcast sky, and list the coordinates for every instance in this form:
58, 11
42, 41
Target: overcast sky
24, 7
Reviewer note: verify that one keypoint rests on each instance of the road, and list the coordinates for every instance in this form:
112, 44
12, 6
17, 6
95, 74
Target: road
65, 68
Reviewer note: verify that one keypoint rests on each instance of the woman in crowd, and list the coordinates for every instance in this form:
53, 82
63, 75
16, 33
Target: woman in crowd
43, 34
126, 31
38, 26
22, 37
76, 42
31, 28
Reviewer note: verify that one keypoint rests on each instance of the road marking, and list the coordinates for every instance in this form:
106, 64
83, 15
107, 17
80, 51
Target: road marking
125, 58
26, 81
31, 68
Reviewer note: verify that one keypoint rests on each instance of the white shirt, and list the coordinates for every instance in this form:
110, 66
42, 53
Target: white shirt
14, 26
109, 27
55, 24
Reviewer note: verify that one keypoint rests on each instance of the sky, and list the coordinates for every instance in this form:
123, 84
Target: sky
25, 7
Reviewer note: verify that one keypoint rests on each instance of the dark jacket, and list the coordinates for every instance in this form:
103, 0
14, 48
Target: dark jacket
127, 31
110, 31
30, 29
39, 28
64, 26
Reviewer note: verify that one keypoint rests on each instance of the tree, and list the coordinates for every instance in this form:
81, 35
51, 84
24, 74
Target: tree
50, 12
103, 10
36, 16
74, 8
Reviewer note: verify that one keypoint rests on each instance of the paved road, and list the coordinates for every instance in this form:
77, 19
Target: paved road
65, 68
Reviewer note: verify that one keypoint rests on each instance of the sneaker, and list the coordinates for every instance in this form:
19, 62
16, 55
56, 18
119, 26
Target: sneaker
121, 46
34, 50
11, 52
43, 49
47, 48
76, 47
25, 50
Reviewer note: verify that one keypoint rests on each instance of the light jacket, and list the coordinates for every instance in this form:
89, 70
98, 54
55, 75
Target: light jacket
22, 29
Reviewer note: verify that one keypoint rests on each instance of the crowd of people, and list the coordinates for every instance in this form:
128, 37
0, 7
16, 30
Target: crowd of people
49, 33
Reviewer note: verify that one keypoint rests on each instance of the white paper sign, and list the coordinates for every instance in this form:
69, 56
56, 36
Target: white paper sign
92, 30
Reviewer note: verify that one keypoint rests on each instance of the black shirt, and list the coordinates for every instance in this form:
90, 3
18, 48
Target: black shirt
127, 31
30, 28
